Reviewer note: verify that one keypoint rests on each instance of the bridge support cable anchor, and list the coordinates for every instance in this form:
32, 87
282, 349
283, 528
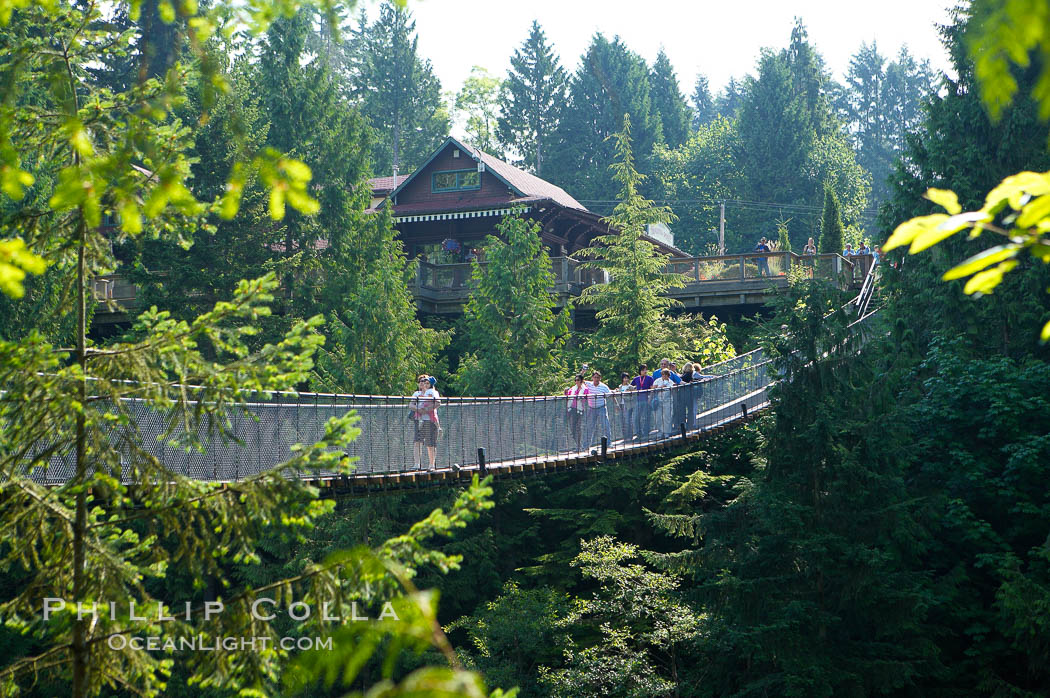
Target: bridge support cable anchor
481, 462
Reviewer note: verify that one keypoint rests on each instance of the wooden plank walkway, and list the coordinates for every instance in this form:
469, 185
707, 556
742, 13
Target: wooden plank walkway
716, 421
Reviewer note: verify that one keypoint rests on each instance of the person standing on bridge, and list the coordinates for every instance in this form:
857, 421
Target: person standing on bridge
662, 411
597, 410
626, 406
688, 398
574, 408
424, 406
642, 384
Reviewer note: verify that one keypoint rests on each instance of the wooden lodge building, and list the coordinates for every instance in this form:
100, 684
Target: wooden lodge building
444, 210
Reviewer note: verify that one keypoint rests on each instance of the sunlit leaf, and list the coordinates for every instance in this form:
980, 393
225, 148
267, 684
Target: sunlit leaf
986, 281
1014, 188
946, 199
15, 261
981, 260
277, 203
1033, 212
946, 229
907, 231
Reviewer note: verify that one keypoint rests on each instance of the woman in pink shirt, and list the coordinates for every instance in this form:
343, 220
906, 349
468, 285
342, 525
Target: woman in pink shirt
574, 408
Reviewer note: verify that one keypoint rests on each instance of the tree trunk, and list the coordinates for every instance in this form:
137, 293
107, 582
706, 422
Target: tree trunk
80, 649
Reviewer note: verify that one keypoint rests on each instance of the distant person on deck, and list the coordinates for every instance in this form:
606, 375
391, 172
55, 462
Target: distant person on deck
810, 248
864, 249
848, 252
762, 262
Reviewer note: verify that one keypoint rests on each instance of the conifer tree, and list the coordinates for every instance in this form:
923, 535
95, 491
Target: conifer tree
630, 306
510, 317
704, 111
398, 93
668, 102
780, 567
90, 420
831, 231
371, 315
727, 103
611, 81
531, 102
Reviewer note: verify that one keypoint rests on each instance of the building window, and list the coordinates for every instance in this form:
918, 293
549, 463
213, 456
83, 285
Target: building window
455, 180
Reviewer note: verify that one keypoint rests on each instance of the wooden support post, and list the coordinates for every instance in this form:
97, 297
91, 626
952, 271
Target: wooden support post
481, 462
605, 446
743, 409
682, 425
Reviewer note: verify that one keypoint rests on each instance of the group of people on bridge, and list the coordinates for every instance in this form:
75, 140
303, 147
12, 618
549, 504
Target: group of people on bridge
646, 403
648, 406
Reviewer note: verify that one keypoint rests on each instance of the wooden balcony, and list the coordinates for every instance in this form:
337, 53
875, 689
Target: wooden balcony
710, 282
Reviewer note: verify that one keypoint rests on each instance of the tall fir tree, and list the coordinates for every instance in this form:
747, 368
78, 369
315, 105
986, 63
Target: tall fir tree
531, 102
510, 317
831, 230
704, 111
728, 102
808, 574
398, 93
776, 132
667, 101
371, 315
611, 81
630, 306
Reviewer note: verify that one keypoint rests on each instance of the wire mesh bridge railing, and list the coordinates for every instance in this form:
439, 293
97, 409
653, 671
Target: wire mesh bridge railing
260, 432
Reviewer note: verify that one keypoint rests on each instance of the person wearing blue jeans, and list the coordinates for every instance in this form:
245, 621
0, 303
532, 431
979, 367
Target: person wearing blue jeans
642, 384
597, 412
625, 405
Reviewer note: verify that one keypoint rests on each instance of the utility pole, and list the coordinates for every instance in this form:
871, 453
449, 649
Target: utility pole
722, 228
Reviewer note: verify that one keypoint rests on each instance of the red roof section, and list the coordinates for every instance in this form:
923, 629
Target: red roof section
529, 185
382, 185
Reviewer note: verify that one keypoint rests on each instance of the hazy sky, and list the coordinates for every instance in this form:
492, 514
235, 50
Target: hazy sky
720, 39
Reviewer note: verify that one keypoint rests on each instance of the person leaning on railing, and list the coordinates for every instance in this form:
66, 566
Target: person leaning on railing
810, 250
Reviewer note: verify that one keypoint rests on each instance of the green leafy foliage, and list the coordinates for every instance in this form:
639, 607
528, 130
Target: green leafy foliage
477, 103
1018, 209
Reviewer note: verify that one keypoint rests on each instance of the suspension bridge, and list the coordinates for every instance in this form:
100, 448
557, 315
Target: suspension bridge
501, 436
